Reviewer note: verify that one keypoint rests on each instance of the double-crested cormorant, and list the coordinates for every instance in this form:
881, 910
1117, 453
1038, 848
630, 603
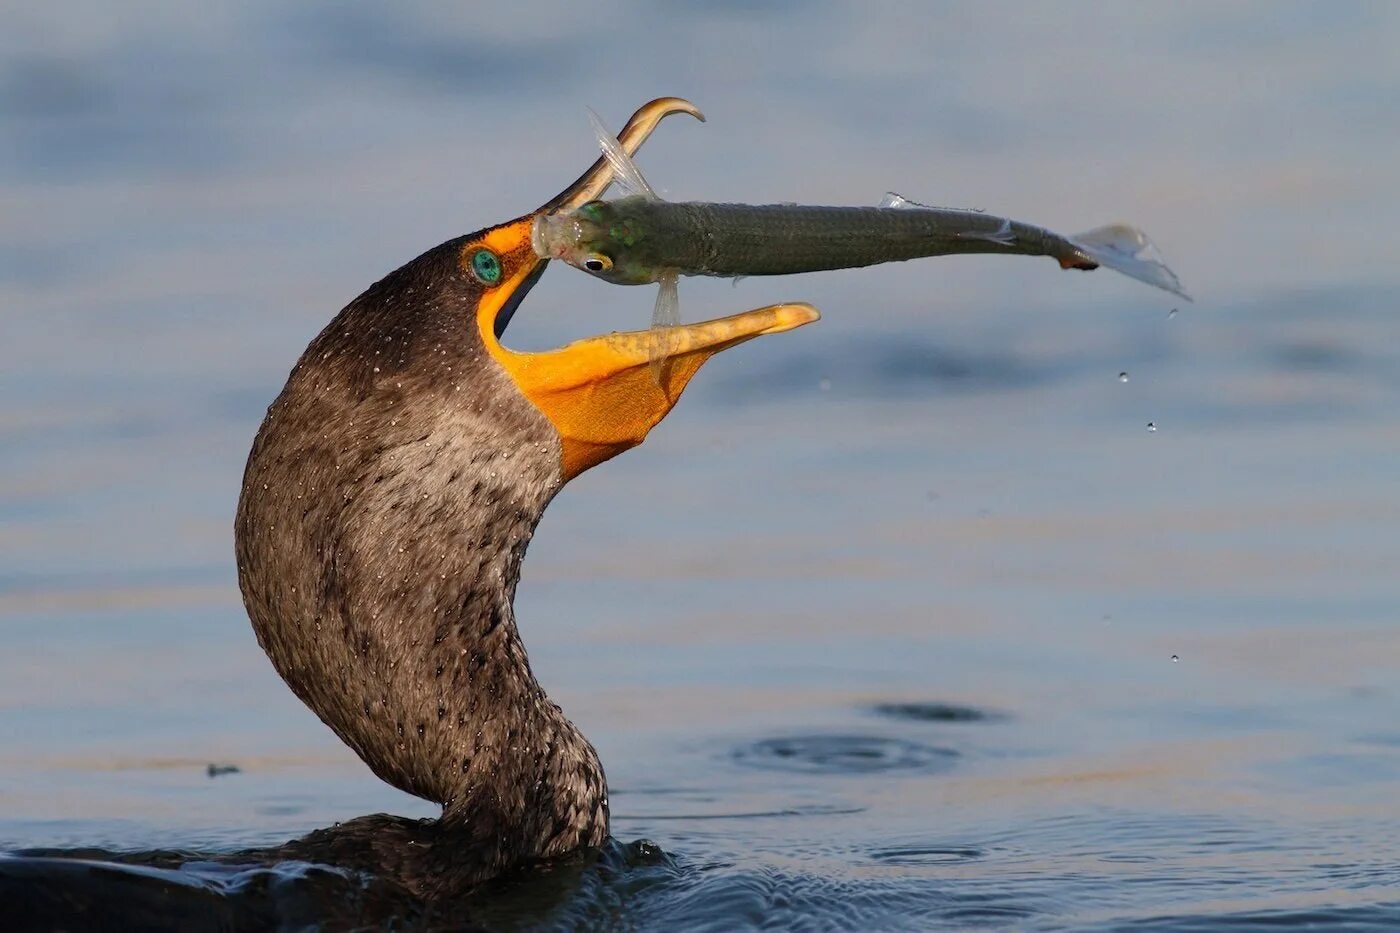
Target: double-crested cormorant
388, 501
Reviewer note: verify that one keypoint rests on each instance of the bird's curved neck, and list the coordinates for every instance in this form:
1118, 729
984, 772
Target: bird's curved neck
386, 508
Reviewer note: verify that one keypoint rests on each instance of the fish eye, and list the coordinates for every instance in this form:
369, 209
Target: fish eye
597, 263
486, 266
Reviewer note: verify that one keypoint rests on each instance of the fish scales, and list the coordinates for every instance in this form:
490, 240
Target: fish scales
779, 239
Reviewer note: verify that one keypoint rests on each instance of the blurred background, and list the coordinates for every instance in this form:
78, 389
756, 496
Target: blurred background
1167, 656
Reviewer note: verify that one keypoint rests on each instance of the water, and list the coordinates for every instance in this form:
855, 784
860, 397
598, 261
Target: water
900, 620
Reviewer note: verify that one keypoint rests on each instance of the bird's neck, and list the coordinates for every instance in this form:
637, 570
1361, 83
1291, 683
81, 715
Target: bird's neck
512, 772
380, 536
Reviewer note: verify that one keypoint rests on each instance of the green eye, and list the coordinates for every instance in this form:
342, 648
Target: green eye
486, 266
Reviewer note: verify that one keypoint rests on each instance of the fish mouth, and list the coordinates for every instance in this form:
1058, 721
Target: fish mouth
553, 234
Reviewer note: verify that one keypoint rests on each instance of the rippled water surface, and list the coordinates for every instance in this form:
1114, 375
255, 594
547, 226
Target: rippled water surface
902, 620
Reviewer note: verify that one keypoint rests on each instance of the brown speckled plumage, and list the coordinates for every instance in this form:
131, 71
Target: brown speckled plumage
386, 507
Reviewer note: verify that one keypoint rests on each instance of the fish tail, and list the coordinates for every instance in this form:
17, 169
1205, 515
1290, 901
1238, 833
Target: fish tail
1123, 249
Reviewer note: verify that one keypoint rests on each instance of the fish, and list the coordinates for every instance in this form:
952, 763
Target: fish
641, 239
637, 240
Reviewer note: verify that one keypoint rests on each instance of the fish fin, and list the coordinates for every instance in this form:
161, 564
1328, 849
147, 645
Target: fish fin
1002, 235
1127, 250
897, 202
665, 315
626, 174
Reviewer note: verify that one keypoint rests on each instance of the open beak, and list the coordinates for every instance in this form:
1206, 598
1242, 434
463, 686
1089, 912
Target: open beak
603, 394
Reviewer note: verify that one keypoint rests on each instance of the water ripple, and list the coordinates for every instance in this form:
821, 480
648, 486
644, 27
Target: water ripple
843, 754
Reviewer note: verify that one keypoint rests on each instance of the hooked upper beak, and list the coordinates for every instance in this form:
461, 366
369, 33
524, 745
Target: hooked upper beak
604, 394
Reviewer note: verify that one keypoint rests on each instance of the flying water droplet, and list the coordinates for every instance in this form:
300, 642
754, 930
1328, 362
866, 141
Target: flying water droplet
1172, 313
1123, 377
1175, 659
1152, 426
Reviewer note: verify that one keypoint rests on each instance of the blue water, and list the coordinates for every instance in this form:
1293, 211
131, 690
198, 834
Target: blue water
904, 619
